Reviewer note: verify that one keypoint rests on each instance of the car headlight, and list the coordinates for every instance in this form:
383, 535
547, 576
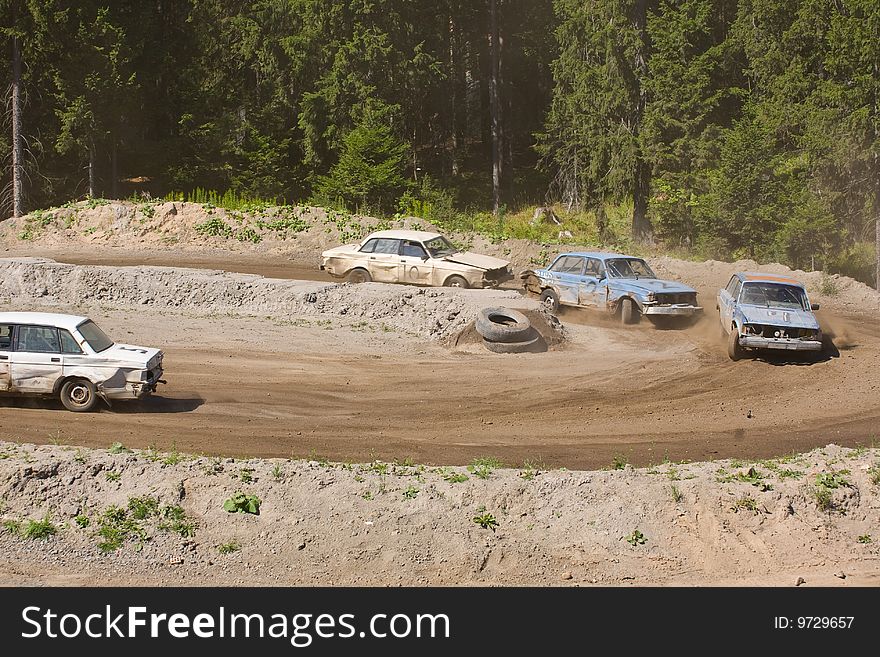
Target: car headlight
651, 298
751, 329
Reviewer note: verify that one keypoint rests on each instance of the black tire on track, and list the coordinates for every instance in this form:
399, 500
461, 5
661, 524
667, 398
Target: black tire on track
502, 325
358, 276
629, 312
512, 347
550, 300
78, 395
734, 349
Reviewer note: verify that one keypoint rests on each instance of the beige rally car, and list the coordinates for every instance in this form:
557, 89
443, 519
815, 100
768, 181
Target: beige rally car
415, 257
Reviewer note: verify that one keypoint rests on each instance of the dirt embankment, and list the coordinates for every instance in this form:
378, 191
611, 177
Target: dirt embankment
287, 243
141, 518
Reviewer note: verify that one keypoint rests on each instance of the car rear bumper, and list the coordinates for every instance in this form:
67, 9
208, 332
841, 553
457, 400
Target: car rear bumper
135, 389
672, 310
495, 277
784, 344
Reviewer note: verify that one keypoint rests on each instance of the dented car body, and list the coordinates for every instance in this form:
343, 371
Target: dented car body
767, 311
414, 257
612, 283
69, 357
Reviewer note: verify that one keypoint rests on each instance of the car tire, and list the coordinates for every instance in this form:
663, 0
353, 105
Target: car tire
456, 281
734, 349
512, 347
78, 395
550, 300
629, 312
358, 276
502, 325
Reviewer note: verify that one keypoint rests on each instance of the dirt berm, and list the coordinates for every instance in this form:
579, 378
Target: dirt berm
138, 518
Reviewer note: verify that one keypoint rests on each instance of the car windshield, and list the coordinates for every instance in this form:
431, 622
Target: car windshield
439, 247
96, 338
774, 295
628, 268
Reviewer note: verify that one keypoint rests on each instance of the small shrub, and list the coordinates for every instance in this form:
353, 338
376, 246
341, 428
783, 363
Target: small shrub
865, 538
746, 503
112, 475
228, 548
485, 520
832, 480
636, 538
410, 493
277, 472
214, 227
118, 448
241, 503
618, 462
456, 477
142, 508
12, 526
82, 521
874, 474
246, 475
175, 521
483, 467
677, 495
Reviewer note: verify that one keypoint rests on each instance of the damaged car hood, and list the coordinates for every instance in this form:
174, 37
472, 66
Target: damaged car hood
121, 355
652, 285
779, 317
477, 260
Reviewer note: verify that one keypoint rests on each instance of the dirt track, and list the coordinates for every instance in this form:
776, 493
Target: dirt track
355, 391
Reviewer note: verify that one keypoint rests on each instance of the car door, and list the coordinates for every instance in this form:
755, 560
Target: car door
384, 262
415, 265
35, 362
727, 301
589, 289
5, 353
567, 273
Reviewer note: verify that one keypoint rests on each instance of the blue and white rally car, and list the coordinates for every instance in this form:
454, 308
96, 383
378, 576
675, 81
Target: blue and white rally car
767, 311
613, 283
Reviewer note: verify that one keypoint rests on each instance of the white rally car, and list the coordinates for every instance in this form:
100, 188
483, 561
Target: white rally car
414, 257
69, 357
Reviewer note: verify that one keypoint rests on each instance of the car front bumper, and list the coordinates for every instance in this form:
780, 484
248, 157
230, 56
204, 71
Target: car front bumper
134, 389
675, 309
495, 278
784, 344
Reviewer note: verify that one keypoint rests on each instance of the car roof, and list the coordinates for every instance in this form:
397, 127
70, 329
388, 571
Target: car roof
597, 254
415, 235
68, 322
759, 277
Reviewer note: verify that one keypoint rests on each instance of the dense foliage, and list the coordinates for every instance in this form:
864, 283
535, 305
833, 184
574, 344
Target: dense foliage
727, 127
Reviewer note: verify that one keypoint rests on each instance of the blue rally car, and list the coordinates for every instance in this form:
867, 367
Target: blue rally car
767, 311
613, 283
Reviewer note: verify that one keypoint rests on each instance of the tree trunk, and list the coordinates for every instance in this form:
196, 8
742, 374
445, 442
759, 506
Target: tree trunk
17, 153
114, 168
495, 105
642, 231
455, 89
92, 172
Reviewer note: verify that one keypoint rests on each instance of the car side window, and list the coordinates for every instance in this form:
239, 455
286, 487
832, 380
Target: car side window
593, 267
387, 246
736, 288
413, 250
732, 284
369, 246
5, 337
38, 339
570, 265
68, 343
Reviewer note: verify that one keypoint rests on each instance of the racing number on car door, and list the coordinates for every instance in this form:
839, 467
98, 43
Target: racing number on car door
415, 266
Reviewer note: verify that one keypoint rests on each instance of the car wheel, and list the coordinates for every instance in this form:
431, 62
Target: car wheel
456, 281
358, 276
502, 325
629, 313
734, 349
78, 395
550, 300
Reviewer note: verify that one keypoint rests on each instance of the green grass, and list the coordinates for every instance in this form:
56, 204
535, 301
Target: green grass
455, 477
484, 467
228, 548
677, 495
746, 503
118, 448
619, 462
112, 475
